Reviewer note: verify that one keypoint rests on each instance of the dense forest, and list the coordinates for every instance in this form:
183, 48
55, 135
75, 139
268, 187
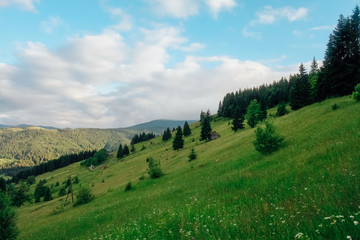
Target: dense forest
337, 76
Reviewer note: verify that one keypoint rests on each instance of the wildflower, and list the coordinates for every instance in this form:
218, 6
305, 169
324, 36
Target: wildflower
299, 235
356, 222
348, 237
352, 217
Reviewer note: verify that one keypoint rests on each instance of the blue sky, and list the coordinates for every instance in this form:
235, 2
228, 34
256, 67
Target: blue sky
114, 63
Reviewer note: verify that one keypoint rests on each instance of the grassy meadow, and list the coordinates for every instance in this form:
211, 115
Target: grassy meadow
308, 189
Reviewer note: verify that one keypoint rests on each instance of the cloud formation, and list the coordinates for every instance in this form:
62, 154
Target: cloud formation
186, 8
51, 24
100, 81
27, 5
269, 15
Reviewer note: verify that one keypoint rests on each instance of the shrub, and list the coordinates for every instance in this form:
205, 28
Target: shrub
8, 229
267, 140
128, 187
356, 93
62, 192
281, 110
334, 107
83, 196
154, 168
192, 155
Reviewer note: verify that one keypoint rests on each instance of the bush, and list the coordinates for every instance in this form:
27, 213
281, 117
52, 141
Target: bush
8, 229
62, 192
83, 196
154, 168
334, 107
281, 110
356, 93
128, 187
267, 140
192, 155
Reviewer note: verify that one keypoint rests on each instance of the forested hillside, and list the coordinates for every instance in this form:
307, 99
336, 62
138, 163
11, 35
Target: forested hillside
24, 147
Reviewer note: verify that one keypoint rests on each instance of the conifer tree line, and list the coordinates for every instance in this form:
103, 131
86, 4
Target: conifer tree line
142, 137
51, 165
337, 77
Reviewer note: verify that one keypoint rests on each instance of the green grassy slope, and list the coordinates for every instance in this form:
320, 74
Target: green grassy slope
311, 186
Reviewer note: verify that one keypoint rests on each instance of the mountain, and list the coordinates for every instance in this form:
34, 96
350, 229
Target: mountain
308, 189
24, 126
158, 126
24, 147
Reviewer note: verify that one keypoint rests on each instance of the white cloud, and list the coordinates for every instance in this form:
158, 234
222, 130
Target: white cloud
100, 81
124, 20
268, 15
320, 28
27, 5
186, 8
51, 23
175, 8
217, 5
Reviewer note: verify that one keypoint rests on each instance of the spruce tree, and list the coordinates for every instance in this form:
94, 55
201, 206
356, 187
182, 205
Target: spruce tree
120, 152
178, 140
47, 194
132, 148
300, 93
205, 122
187, 130
238, 122
126, 150
253, 113
167, 135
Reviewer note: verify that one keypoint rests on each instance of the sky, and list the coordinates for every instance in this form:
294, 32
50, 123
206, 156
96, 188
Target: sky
116, 63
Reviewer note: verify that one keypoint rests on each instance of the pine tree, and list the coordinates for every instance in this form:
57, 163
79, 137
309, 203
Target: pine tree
167, 135
192, 155
132, 148
178, 140
126, 150
281, 110
120, 152
300, 92
187, 130
205, 122
253, 113
238, 122
47, 194
341, 72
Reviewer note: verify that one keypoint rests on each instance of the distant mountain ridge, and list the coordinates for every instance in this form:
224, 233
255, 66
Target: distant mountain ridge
158, 126
26, 145
25, 126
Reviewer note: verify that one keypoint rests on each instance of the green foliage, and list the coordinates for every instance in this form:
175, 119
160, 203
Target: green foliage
281, 110
40, 190
178, 140
356, 93
126, 150
76, 180
192, 155
120, 152
2, 185
98, 158
19, 194
132, 150
187, 130
83, 196
238, 122
334, 106
300, 93
47, 194
253, 113
267, 140
205, 121
166, 135
8, 229
154, 168
128, 187
62, 192
30, 180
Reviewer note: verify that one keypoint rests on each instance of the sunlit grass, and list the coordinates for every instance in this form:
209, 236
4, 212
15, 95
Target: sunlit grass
309, 188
